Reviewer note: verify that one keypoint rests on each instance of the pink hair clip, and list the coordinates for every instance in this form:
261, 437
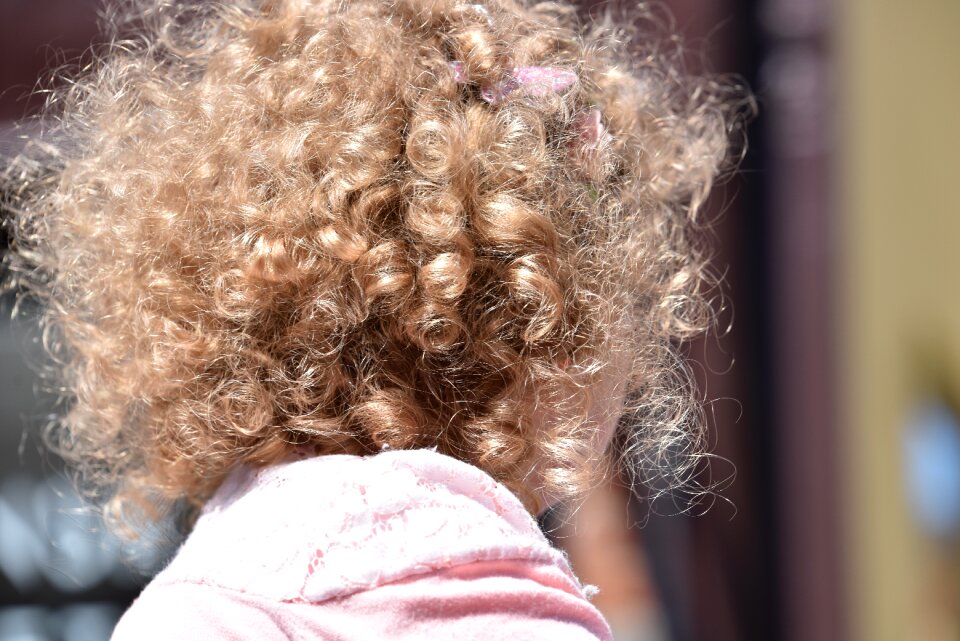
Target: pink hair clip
540, 81
459, 73
536, 81
593, 133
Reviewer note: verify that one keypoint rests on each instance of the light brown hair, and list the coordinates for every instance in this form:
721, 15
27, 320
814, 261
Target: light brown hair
261, 225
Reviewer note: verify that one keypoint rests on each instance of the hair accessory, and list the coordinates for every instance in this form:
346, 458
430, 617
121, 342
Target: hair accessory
482, 10
593, 134
586, 148
536, 81
459, 74
540, 81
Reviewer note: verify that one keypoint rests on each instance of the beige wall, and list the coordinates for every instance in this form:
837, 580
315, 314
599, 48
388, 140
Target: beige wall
899, 180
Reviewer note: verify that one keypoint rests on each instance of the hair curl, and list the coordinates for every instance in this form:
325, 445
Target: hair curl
269, 224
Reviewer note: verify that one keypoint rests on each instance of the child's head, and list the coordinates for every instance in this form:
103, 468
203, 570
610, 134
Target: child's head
349, 225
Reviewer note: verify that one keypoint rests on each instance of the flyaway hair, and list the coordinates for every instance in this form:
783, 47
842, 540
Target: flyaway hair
261, 225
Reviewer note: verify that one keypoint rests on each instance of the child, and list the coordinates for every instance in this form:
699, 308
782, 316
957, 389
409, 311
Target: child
366, 283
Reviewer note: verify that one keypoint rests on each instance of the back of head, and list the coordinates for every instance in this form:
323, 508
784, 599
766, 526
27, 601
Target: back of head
263, 225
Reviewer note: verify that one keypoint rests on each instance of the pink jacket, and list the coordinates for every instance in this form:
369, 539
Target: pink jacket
401, 545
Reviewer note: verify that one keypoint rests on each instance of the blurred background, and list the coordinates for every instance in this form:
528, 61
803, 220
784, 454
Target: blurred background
835, 395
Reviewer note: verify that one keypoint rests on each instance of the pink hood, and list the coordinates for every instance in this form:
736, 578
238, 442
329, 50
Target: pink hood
405, 544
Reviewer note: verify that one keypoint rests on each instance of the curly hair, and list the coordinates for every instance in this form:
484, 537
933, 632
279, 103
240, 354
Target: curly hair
263, 225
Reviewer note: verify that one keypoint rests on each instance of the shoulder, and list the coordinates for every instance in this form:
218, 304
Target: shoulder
486, 600
411, 536
188, 611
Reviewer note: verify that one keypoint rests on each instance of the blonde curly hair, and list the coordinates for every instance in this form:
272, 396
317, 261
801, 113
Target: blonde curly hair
263, 225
